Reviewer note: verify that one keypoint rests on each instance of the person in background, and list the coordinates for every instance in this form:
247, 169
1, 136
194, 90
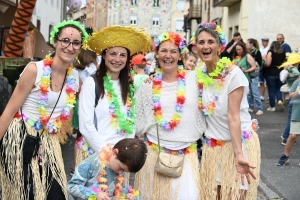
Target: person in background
34, 120
295, 123
252, 47
189, 61
289, 74
100, 175
138, 64
231, 153
262, 81
230, 47
285, 47
275, 58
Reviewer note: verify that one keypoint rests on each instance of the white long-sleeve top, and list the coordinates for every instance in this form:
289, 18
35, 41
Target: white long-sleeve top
191, 125
106, 132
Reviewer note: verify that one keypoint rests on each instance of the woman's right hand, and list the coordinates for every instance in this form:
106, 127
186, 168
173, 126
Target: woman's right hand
103, 196
243, 168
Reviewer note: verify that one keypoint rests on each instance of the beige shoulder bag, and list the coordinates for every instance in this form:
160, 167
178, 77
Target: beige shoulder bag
168, 164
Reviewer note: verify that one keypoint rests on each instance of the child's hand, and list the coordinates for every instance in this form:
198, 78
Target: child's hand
130, 196
103, 196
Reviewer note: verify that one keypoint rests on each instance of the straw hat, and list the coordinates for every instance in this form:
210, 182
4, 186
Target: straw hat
293, 58
135, 40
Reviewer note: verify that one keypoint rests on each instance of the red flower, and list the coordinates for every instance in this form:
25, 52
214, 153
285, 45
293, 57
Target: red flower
213, 142
44, 119
181, 100
181, 74
63, 118
17, 115
48, 62
157, 108
70, 90
172, 124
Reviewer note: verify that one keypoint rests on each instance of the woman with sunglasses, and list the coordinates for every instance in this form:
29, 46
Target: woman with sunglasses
231, 151
32, 123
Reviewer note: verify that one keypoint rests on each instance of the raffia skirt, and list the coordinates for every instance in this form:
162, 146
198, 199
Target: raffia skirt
153, 186
11, 164
218, 168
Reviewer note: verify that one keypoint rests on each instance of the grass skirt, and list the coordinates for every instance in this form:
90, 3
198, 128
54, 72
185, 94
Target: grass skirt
153, 186
11, 167
218, 168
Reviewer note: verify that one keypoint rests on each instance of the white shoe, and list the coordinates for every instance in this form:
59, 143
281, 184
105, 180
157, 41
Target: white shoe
280, 104
271, 109
250, 110
259, 112
262, 98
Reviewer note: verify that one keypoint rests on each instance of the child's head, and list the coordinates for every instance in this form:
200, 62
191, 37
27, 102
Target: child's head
85, 58
189, 60
138, 63
130, 155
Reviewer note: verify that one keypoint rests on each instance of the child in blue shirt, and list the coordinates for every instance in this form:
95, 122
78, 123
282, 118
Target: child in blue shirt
295, 122
100, 175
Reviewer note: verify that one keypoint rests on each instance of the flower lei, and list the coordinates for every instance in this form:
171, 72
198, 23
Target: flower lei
43, 121
64, 23
156, 91
205, 80
175, 38
119, 122
93, 191
236, 60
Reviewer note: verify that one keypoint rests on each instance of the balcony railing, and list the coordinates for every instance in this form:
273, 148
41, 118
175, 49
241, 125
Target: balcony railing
224, 3
195, 12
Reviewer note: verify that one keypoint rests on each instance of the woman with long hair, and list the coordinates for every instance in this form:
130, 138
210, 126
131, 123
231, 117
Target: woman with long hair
106, 101
253, 49
31, 161
275, 58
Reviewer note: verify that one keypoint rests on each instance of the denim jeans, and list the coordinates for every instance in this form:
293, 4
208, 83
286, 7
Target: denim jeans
254, 93
286, 132
274, 84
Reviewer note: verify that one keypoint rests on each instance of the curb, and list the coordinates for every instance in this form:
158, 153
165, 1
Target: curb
268, 192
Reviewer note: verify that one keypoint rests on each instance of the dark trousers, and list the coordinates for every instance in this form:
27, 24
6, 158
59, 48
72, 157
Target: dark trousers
55, 192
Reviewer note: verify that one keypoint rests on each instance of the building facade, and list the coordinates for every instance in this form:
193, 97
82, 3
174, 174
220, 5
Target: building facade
257, 19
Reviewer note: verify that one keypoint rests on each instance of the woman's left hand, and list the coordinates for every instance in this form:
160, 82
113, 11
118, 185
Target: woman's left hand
243, 168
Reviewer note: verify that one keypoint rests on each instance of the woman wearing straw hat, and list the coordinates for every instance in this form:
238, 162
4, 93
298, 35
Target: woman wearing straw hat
289, 74
168, 115
115, 109
34, 119
231, 153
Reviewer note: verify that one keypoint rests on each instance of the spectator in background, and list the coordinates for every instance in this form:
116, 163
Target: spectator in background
138, 64
275, 58
252, 46
229, 49
285, 47
263, 50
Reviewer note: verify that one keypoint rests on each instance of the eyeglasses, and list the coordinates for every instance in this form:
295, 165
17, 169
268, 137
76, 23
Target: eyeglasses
210, 25
65, 43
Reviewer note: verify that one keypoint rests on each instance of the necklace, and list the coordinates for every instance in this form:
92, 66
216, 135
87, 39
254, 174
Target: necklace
94, 190
121, 123
205, 80
180, 99
43, 121
236, 60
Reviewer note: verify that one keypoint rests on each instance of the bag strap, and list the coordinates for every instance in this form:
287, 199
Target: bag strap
157, 137
97, 89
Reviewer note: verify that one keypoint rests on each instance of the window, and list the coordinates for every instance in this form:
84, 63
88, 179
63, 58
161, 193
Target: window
38, 25
180, 5
155, 21
134, 2
179, 25
133, 19
155, 3
50, 29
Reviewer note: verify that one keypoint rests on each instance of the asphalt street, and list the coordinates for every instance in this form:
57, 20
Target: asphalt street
275, 182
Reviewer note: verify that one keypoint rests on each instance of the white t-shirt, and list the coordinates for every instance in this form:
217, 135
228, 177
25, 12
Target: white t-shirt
30, 105
264, 50
217, 123
106, 132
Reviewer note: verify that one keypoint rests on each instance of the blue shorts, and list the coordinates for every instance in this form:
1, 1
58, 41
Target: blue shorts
261, 78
